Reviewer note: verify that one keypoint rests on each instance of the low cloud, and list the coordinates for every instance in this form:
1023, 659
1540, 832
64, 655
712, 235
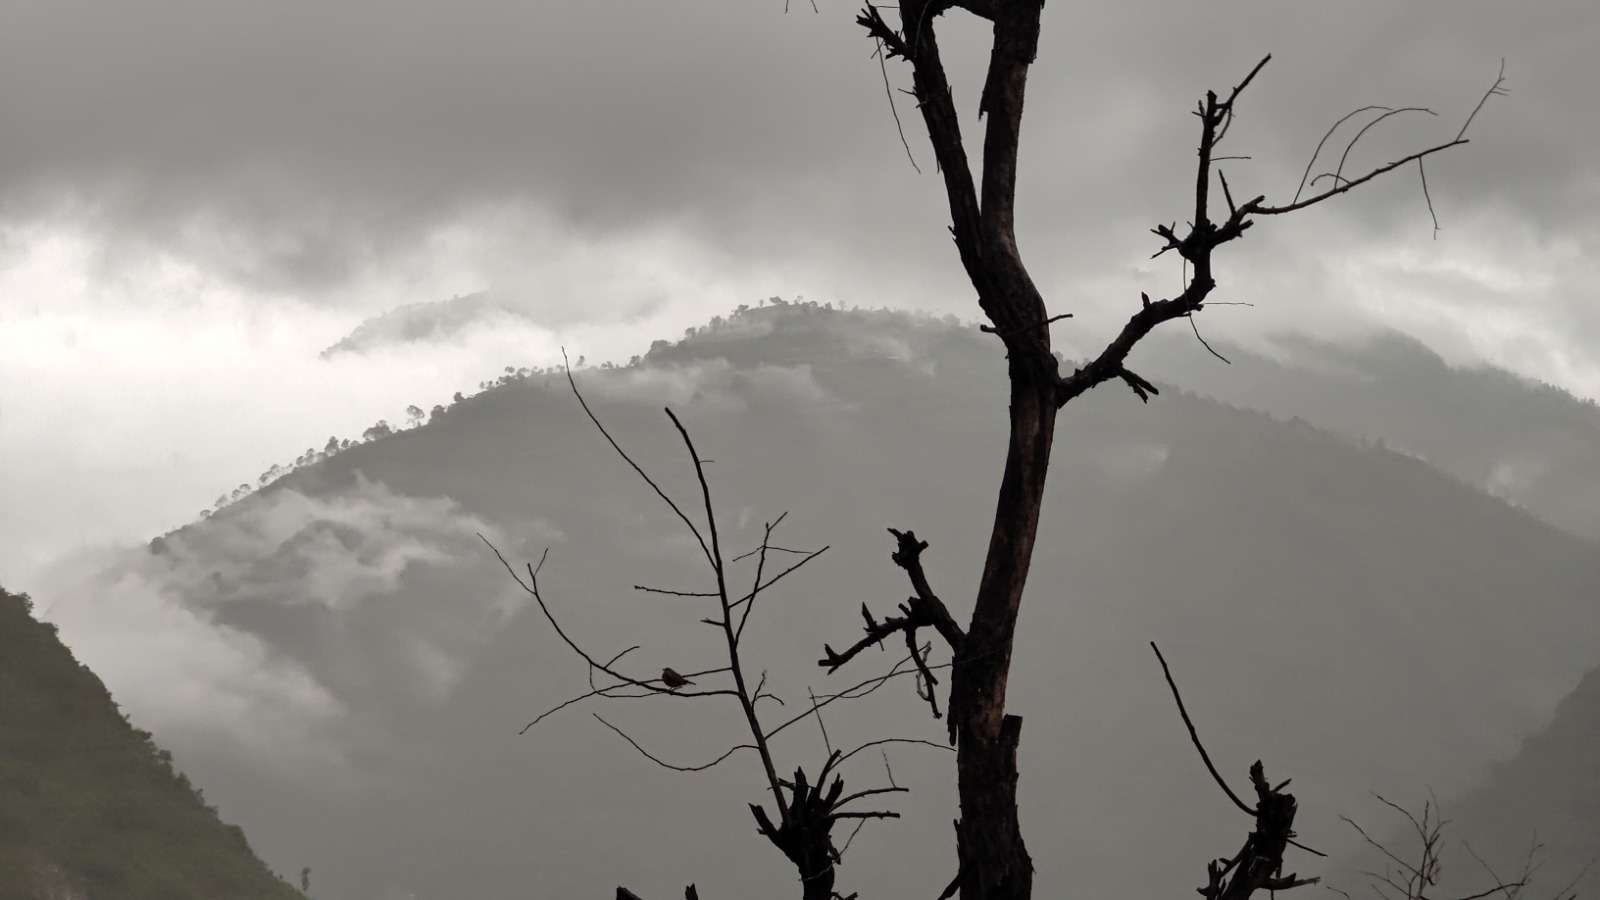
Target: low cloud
225, 630
714, 382
336, 552
179, 673
133, 393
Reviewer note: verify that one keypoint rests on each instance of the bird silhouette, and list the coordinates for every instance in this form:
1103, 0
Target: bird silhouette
673, 680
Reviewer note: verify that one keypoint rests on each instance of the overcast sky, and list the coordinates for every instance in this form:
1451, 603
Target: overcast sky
196, 198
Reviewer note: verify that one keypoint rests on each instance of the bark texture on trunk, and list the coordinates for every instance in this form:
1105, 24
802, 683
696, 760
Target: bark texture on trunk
994, 860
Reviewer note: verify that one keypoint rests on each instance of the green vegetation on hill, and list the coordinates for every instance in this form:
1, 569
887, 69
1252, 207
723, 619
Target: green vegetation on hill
90, 807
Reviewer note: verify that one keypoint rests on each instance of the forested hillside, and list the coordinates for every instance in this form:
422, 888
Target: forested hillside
1347, 613
90, 806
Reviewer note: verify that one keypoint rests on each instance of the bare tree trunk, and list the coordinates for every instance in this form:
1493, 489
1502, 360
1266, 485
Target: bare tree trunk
994, 861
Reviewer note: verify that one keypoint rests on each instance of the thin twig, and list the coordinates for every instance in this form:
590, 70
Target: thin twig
761, 565
532, 588
1313, 160
1495, 90
1202, 340
990, 329
629, 460
826, 744
663, 763
1255, 207
884, 68
855, 691
779, 577
1422, 172
860, 823
1194, 735
651, 590
773, 549
882, 741
1338, 173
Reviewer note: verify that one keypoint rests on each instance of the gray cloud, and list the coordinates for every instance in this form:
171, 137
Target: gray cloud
322, 138
193, 193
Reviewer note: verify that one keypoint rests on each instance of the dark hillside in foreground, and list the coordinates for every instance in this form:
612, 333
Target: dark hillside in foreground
89, 806
1354, 617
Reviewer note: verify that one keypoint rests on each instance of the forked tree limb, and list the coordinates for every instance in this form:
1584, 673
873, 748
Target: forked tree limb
908, 556
924, 609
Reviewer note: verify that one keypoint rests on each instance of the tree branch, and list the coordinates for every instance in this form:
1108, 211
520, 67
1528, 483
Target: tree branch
663, 763
1194, 735
671, 504
1204, 235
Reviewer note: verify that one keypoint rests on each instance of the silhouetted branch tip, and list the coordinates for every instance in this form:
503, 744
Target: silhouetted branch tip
990, 329
1194, 736
1139, 385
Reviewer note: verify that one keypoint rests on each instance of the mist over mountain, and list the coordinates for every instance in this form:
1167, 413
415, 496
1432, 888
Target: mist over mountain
423, 322
345, 666
1524, 441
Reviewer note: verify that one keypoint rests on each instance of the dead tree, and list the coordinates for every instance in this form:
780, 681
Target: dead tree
993, 860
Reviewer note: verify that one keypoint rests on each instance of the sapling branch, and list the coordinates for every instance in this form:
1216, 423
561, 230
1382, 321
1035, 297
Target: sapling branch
804, 815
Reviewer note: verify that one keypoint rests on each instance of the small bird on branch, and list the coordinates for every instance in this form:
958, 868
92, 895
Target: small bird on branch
673, 680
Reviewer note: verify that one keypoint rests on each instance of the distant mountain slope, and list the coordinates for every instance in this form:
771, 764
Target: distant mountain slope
1549, 791
89, 806
1528, 442
1351, 615
1545, 799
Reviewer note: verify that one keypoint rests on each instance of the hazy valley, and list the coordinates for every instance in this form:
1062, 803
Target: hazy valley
1387, 593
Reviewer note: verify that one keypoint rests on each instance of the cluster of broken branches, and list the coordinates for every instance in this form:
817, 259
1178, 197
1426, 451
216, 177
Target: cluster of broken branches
807, 808
922, 609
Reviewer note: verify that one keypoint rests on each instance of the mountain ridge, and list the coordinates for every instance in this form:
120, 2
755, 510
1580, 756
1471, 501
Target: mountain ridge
1295, 579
